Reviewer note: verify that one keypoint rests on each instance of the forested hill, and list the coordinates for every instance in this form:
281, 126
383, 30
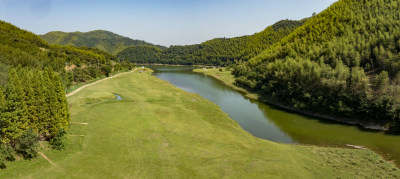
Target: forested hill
19, 47
103, 40
220, 51
27, 50
344, 61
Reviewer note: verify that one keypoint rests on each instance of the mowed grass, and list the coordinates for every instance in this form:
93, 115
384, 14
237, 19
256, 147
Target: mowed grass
160, 131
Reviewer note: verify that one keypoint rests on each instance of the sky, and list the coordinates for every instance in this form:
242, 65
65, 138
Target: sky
163, 22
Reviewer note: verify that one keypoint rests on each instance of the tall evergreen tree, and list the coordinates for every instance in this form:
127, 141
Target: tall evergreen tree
26, 78
42, 110
15, 116
62, 104
2, 110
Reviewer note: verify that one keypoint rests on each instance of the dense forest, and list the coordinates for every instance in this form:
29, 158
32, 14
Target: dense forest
220, 51
100, 39
344, 61
33, 78
33, 106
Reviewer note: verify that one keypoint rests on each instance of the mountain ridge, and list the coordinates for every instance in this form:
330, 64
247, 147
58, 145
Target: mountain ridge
102, 39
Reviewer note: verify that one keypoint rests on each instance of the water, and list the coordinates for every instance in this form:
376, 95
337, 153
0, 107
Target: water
271, 123
117, 97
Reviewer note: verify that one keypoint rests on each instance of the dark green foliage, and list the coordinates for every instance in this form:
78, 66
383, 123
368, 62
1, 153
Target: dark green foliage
141, 54
343, 61
106, 69
58, 141
32, 106
127, 65
103, 40
6, 154
15, 117
220, 51
28, 144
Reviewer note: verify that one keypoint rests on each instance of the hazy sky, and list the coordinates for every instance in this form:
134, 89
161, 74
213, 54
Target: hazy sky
164, 22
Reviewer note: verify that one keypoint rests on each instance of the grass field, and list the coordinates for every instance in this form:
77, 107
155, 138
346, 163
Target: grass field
160, 131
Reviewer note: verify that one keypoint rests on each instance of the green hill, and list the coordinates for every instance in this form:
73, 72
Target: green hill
344, 61
220, 51
22, 48
103, 40
141, 54
18, 47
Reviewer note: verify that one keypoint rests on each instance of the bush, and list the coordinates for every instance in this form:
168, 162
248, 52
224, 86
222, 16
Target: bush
106, 69
6, 154
28, 144
58, 141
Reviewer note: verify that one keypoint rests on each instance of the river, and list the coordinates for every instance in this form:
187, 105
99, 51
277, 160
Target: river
275, 124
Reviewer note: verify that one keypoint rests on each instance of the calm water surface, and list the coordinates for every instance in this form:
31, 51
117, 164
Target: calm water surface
271, 123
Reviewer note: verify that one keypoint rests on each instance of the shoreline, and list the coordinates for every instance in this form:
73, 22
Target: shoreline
267, 100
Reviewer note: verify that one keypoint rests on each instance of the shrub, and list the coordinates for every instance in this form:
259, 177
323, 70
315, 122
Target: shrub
58, 141
6, 154
28, 144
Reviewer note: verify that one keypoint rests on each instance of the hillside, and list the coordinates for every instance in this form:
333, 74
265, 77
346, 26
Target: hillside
220, 51
27, 50
343, 62
103, 40
18, 47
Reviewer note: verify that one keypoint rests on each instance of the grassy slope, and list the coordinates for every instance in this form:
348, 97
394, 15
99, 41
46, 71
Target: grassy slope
228, 79
160, 131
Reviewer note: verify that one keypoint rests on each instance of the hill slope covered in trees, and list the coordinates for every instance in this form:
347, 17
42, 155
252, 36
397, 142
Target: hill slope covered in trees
344, 61
22, 48
103, 40
220, 51
33, 79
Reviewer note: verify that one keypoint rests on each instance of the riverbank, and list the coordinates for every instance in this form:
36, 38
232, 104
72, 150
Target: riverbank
160, 131
228, 79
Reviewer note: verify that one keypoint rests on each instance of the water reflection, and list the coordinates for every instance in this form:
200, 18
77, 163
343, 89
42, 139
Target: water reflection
275, 124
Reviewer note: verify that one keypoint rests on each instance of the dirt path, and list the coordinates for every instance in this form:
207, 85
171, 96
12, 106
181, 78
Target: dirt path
79, 123
44, 156
84, 86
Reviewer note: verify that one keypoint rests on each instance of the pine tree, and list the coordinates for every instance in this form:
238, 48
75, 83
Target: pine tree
15, 120
53, 104
26, 77
2, 110
62, 104
42, 110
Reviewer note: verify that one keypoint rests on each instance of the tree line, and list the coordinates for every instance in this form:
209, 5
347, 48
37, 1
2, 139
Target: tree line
218, 52
33, 107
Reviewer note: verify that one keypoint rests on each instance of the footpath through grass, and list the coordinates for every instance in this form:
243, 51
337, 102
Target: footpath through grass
160, 131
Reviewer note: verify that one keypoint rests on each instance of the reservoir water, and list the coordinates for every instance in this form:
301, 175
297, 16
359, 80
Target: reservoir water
271, 123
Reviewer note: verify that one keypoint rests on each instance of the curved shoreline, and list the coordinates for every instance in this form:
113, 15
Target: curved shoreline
255, 96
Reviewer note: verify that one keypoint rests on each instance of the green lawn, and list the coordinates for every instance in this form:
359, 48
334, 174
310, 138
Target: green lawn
226, 77
160, 131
